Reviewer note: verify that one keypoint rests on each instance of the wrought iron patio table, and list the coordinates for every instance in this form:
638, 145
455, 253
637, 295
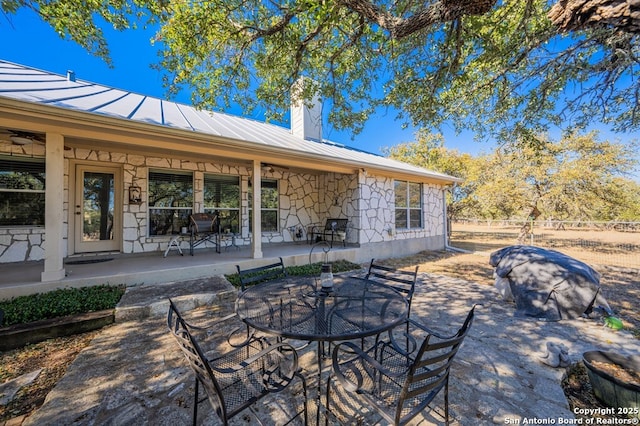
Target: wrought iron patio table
298, 308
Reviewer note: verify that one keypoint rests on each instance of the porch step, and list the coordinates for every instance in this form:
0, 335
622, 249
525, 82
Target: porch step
152, 300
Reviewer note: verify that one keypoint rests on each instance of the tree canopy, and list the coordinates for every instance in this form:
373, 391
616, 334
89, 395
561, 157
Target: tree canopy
576, 178
500, 67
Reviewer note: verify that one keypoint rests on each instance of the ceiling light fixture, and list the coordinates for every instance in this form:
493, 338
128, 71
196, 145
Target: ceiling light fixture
21, 140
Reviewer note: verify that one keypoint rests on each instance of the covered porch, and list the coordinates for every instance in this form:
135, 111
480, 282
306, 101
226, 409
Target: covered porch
23, 278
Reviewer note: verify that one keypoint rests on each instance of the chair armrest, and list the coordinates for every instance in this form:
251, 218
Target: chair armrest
215, 328
316, 229
275, 373
410, 343
370, 365
427, 329
209, 327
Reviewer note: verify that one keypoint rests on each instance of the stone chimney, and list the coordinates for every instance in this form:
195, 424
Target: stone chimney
306, 120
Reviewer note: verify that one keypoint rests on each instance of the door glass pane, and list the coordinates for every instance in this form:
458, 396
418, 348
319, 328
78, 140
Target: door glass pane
98, 206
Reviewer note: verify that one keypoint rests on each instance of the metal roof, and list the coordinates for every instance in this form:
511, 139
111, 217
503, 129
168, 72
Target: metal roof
22, 83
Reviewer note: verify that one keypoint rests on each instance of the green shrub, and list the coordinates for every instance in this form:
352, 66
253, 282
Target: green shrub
306, 270
58, 303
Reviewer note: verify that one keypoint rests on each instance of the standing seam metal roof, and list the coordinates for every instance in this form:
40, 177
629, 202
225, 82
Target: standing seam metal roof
26, 84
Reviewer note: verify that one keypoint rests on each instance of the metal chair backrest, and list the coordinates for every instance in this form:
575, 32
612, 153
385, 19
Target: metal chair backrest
261, 273
197, 361
429, 373
401, 280
204, 223
336, 225
236, 379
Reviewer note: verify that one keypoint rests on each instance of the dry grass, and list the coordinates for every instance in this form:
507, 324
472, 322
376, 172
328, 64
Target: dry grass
53, 356
595, 247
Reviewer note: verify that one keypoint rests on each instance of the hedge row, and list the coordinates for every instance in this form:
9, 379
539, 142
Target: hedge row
58, 303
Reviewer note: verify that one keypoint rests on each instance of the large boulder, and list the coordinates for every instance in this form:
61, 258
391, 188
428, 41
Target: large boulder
545, 283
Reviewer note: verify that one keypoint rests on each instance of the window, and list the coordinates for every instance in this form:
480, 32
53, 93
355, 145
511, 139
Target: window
22, 186
408, 204
222, 196
170, 202
269, 201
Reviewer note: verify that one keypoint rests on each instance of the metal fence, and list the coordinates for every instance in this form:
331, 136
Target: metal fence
611, 244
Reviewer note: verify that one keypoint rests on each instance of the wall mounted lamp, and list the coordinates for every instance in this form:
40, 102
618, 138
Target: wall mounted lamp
135, 194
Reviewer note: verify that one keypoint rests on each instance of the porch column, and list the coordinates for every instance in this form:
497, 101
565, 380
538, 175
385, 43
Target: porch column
54, 209
256, 202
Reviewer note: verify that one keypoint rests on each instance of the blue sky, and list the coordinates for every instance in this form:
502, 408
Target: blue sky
26, 40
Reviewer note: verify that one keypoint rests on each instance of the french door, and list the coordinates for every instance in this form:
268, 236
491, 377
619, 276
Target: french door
98, 209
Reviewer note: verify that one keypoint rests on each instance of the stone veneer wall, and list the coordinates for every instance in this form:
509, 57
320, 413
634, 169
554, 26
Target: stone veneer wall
298, 192
367, 201
338, 198
298, 201
377, 205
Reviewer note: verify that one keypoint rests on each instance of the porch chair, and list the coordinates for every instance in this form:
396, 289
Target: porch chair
237, 379
203, 228
259, 274
264, 273
400, 280
395, 382
334, 229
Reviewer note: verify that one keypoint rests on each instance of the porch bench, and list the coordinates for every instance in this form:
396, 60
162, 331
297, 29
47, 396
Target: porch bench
203, 228
334, 228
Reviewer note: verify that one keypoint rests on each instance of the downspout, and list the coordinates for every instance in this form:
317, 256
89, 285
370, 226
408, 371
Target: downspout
447, 247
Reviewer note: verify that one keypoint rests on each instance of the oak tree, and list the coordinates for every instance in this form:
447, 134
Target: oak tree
578, 177
505, 67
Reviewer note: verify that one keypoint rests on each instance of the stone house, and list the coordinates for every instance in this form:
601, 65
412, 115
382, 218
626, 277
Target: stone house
124, 171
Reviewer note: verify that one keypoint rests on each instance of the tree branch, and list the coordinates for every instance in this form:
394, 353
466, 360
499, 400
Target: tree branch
570, 15
437, 12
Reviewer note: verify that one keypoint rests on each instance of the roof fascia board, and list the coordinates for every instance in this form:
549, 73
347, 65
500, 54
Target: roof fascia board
76, 124
48, 118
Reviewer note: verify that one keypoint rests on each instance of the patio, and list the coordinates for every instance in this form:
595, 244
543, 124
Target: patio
132, 269
132, 373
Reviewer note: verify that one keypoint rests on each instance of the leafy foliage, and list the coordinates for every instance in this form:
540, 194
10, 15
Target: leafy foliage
497, 67
306, 270
576, 178
58, 303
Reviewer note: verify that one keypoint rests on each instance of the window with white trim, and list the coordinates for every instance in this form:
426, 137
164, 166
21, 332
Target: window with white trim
170, 201
22, 191
408, 204
269, 202
222, 197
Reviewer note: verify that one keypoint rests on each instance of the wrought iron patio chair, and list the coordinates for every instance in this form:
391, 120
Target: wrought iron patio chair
259, 274
403, 281
335, 229
399, 383
236, 379
254, 276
